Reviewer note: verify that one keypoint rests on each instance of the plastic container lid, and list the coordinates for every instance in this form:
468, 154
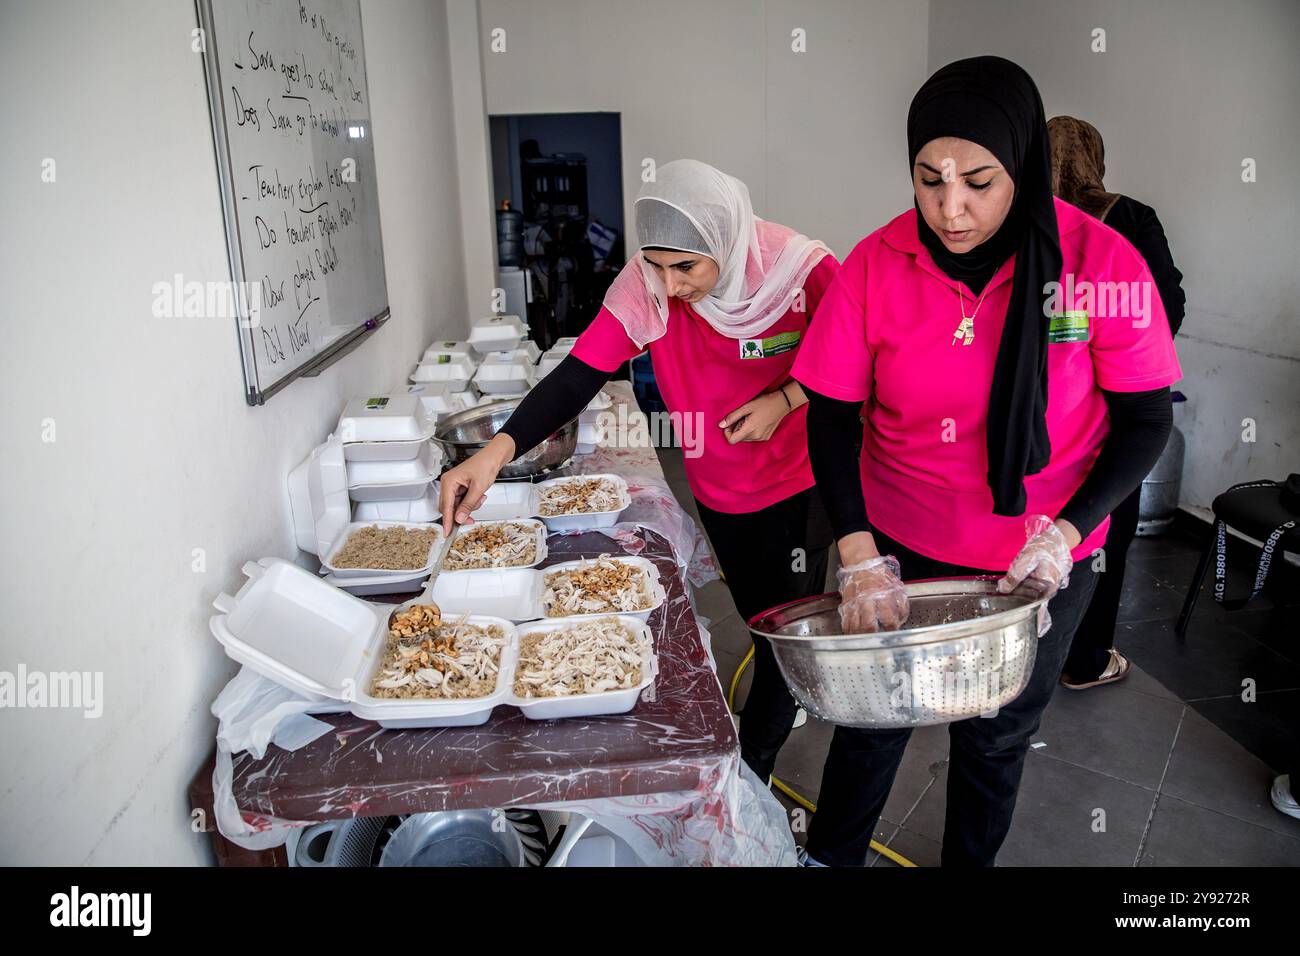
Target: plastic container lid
384, 418
318, 497
440, 399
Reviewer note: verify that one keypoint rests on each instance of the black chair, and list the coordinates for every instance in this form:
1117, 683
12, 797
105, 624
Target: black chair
1257, 509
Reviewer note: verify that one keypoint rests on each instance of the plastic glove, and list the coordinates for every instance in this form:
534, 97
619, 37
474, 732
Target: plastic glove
1041, 568
872, 597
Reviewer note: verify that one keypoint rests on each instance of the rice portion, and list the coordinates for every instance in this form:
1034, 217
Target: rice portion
387, 549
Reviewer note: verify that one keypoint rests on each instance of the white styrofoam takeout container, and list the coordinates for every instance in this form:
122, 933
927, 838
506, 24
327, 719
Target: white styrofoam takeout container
395, 480
384, 418
586, 519
517, 593
379, 584
604, 703
430, 562
455, 373
440, 399
591, 414
318, 497
539, 538
497, 332
504, 372
292, 628
515, 499
421, 510
455, 350
588, 438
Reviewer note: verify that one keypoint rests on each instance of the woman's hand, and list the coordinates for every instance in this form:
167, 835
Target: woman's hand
872, 596
757, 419
1043, 565
464, 488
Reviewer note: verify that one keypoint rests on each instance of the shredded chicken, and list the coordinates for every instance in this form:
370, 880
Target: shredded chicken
387, 549
603, 586
508, 545
580, 496
590, 657
426, 658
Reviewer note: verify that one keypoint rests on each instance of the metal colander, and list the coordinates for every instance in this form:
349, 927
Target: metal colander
966, 651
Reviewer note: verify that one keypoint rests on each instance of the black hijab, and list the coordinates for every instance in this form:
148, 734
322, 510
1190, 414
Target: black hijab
993, 102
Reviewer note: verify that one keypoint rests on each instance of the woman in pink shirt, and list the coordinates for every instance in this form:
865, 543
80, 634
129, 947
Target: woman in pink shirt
1012, 362
721, 299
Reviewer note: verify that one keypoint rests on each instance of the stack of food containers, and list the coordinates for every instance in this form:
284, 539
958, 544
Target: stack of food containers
392, 463
506, 374
497, 333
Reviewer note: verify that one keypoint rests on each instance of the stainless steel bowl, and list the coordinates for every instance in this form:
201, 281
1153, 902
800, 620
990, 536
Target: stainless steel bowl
464, 433
966, 651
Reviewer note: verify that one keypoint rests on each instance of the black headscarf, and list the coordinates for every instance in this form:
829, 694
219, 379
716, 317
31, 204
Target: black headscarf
993, 102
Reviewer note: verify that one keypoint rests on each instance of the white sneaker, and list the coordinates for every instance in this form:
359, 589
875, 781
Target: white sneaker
805, 860
800, 717
1282, 799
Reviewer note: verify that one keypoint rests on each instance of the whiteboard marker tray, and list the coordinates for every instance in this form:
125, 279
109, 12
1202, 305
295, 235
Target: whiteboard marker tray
292, 628
599, 704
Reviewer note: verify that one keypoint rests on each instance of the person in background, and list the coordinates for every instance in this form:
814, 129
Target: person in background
1078, 165
1003, 423
722, 299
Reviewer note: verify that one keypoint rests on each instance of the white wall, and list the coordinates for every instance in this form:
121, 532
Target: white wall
1185, 91
819, 137
156, 453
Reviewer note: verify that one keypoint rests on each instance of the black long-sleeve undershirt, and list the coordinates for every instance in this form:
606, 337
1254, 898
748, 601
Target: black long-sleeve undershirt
554, 402
1140, 423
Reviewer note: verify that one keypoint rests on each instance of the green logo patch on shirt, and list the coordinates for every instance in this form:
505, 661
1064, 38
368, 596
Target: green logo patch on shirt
766, 348
1068, 327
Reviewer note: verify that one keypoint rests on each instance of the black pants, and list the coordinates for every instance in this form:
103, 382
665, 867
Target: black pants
1090, 651
986, 754
769, 557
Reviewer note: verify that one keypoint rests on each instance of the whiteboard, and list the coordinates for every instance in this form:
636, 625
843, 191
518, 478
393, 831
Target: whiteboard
295, 156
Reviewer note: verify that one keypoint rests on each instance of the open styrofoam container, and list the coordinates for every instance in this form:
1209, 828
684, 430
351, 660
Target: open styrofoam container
318, 497
379, 583
517, 593
539, 537
420, 470
292, 628
587, 705
431, 560
515, 499
421, 510
587, 519
440, 399
504, 372
454, 350
456, 373
550, 362
497, 332
384, 418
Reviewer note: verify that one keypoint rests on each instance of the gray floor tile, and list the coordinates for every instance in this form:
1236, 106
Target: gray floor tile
800, 761
1112, 730
920, 850
730, 634
1211, 770
714, 602
923, 762
1057, 816
1141, 682
1186, 835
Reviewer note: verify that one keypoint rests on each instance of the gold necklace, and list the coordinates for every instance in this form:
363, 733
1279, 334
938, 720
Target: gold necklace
966, 330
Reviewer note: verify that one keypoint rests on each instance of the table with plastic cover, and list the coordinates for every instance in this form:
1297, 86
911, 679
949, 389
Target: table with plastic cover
678, 737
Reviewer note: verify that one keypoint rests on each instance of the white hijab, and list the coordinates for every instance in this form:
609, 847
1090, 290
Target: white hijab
761, 265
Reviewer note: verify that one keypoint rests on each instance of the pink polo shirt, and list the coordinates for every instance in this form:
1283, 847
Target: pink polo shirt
884, 335
701, 370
